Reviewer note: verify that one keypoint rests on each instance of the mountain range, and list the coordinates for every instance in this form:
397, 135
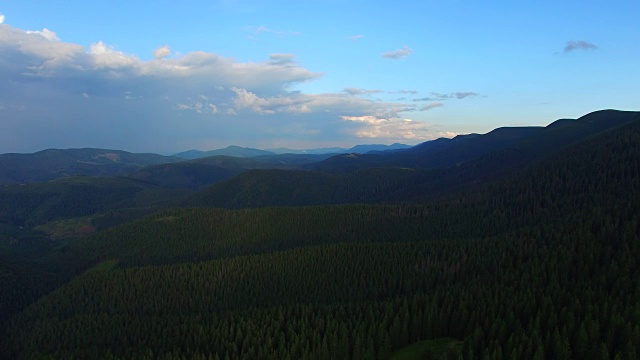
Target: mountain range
519, 243
514, 145
428, 170
237, 151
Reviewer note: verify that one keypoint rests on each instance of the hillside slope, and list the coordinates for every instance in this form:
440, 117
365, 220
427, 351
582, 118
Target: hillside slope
433, 169
58, 163
530, 142
537, 265
33, 204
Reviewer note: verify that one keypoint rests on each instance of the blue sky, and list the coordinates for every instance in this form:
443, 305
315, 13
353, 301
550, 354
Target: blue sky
166, 76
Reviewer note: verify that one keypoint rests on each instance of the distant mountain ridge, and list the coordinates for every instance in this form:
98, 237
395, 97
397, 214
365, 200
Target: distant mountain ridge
365, 148
238, 151
483, 155
235, 151
53, 164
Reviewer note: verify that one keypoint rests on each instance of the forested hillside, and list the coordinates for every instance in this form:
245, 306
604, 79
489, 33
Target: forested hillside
33, 204
59, 163
538, 263
199, 173
426, 172
529, 143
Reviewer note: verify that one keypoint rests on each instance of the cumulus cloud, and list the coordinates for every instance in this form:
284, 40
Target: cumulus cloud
288, 104
162, 52
1, 18
398, 54
37, 51
375, 127
102, 97
45, 33
578, 45
105, 56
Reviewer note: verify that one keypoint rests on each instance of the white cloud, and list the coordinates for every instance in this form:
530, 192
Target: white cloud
1, 18
45, 33
288, 104
356, 37
390, 128
398, 54
41, 53
37, 51
446, 134
162, 52
367, 119
103, 97
248, 100
105, 56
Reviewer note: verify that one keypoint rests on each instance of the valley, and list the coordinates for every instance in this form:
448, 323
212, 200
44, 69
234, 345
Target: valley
521, 243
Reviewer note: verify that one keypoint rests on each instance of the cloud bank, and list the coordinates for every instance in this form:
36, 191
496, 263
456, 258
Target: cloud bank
59, 94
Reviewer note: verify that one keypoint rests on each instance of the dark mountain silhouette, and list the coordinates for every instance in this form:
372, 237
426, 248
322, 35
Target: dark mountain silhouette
426, 171
58, 163
529, 142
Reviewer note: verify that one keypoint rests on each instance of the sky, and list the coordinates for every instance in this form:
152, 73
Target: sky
166, 76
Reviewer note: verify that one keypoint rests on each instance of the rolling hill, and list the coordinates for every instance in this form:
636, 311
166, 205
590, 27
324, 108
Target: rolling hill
199, 173
58, 163
33, 204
